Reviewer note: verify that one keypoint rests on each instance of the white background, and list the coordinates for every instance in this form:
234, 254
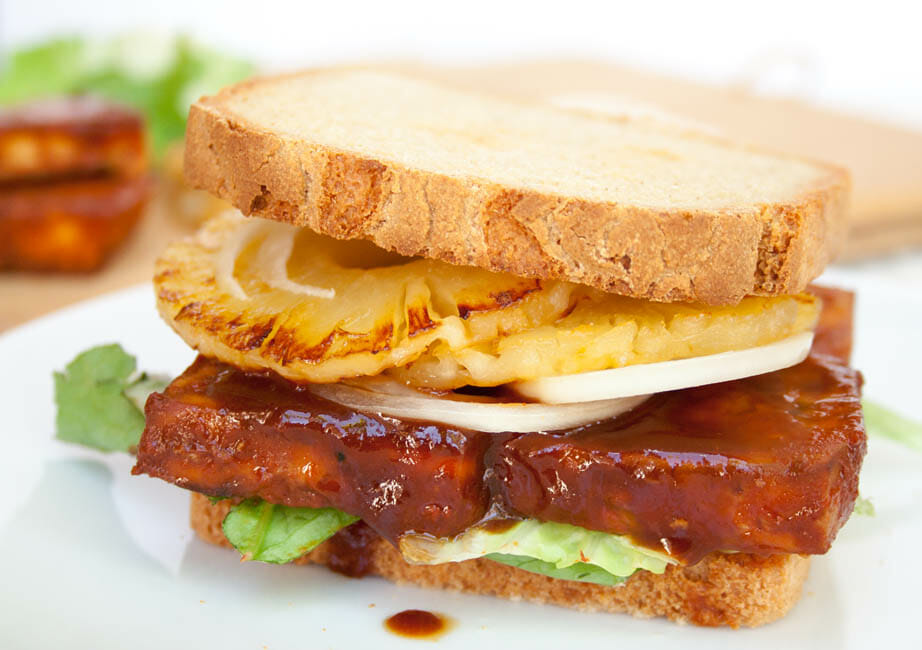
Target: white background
864, 57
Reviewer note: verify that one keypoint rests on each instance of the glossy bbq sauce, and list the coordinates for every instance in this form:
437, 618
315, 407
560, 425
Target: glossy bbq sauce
766, 464
349, 550
418, 624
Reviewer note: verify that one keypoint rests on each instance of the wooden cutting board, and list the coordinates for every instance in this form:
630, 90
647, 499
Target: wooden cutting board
886, 162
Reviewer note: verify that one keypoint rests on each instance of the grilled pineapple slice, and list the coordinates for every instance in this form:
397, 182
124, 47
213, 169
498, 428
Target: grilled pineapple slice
607, 331
265, 295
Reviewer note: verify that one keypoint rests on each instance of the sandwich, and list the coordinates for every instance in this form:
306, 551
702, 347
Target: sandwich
497, 347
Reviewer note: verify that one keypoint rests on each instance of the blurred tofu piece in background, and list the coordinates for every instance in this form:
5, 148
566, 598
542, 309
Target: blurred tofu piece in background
68, 225
73, 182
70, 136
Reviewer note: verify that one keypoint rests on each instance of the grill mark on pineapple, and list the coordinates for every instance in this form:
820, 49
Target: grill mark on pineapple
499, 299
235, 333
196, 314
251, 336
379, 338
163, 274
284, 347
418, 321
170, 295
191, 311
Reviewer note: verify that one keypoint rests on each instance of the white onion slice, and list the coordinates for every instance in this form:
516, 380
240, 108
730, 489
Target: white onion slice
226, 259
271, 262
667, 375
494, 417
274, 253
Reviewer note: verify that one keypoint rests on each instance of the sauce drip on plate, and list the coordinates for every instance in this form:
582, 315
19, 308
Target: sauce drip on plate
417, 624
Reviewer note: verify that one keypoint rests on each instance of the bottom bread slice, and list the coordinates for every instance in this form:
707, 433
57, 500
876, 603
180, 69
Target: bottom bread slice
723, 589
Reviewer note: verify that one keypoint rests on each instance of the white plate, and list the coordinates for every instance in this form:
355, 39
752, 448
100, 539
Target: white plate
91, 557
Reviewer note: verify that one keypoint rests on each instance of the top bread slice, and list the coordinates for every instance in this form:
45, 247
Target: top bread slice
633, 207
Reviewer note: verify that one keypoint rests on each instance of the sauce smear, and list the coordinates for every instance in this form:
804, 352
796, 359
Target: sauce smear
417, 624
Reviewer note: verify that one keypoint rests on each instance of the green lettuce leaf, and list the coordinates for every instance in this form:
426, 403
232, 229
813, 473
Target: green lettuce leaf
159, 75
557, 550
864, 507
100, 399
141, 387
278, 534
580, 572
880, 421
49, 68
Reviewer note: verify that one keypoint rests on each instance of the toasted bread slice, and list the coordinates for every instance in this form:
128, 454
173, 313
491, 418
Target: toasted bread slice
633, 207
723, 589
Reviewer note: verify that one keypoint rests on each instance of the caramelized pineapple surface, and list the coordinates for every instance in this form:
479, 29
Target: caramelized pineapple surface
266, 295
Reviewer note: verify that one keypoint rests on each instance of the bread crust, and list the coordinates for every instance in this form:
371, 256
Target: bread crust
722, 590
715, 257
